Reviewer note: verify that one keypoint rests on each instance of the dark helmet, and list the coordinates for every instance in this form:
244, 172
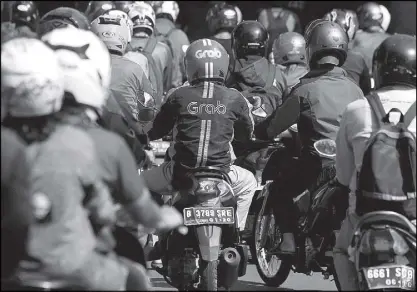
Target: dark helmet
98, 8
22, 13
206, 59
326, 39
123, 5
288, 48
222, 17
250, 38
346, 19
394, 61
369, 14
62, 17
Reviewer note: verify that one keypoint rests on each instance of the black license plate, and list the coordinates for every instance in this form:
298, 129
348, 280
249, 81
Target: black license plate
208, 215
384, 277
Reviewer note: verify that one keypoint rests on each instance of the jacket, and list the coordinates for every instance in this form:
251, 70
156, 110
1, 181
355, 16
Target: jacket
207, 116
357, 69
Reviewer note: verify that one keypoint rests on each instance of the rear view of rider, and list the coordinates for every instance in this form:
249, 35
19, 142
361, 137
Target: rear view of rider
68, 196
222, 19
371, 33
355, 64
62, 17
289, 52
206, 115
394, 73
144, 42
166, 16
317, 103
261, 82
24, 14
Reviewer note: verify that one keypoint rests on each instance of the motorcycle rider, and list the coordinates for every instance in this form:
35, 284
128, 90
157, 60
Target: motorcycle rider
206, 115
355, 64
371, 33
395, 83
222, 19
249, 70
129, 84
62, 17
317, 102
166, 16
289, 52
24, 14
82, 108
144, 42
68, 197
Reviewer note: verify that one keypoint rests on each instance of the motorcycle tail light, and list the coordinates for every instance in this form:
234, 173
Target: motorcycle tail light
386, 240
206, 188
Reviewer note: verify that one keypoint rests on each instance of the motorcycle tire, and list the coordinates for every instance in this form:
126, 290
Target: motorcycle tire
285, 268
208, 280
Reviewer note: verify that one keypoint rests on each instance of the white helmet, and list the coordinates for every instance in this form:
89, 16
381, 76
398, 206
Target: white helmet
386, 17
122, 15
32, 83
113, 31
143, 17
85, 61
239, 15
166, 7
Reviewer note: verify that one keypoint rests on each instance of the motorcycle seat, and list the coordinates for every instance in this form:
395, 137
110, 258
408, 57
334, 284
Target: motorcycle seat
208, 171
386, 217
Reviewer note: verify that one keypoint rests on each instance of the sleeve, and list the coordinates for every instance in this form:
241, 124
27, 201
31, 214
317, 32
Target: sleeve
284, 116
244, 125
165, 120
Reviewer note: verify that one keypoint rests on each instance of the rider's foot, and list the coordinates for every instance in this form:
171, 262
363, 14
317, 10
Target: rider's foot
287, 245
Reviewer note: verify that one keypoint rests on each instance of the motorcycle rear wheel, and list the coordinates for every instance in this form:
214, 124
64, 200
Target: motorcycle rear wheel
208, 280
278, 276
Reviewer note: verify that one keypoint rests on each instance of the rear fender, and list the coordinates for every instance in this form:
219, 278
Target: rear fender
209, 238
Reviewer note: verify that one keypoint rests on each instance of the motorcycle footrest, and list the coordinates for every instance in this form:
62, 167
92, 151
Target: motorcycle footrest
243, 251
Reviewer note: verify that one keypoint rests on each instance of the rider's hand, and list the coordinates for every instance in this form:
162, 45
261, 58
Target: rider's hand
170, 219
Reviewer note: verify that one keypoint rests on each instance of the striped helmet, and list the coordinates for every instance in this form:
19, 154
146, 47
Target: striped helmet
206, 59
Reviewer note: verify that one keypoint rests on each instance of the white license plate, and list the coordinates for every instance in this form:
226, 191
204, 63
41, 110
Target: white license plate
209, 215
385, 277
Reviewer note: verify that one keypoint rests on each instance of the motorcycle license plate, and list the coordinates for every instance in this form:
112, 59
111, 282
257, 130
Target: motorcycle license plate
208, 215
384, 277
160, 147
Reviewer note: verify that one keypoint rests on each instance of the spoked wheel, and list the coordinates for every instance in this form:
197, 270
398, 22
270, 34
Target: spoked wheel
273, 270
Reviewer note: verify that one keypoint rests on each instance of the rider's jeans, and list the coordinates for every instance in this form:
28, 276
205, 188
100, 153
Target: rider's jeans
345, 269
159, 179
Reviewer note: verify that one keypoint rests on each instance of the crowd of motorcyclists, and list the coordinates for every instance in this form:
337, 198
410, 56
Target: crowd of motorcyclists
84, 93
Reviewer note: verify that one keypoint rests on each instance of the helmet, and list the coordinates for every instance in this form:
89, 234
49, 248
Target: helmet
98, 8
113, 31
123, 5
206, 59
85, 61
345, 19
394, 61
249, 38
32, 84
125, 17
326, 39
239, 15
169, 9
24, 13
62, 17
290, 47
369, 14
143, 18
221, 16
386, 17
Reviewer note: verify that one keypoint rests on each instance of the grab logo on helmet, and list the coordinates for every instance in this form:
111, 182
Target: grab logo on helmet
214, 54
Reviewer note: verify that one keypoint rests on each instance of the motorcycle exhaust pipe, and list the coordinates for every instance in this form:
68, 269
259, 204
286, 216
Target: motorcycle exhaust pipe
228, 268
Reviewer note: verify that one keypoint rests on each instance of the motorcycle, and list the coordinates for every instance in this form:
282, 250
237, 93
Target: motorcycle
314, 236
211, 254
383, 249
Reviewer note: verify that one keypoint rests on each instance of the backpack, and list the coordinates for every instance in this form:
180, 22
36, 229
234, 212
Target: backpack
387, 178
164, 38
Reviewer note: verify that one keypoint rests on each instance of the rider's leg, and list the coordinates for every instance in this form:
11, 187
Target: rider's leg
345, 269
243, 184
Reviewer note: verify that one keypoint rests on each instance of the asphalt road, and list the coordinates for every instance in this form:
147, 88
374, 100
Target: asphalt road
252, 282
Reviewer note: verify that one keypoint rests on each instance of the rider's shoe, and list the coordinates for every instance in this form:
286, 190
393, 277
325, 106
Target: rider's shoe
287, 245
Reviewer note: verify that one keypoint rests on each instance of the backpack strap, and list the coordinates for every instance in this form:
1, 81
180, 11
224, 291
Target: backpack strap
271, 76
150, 45
377, 107
410, 115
